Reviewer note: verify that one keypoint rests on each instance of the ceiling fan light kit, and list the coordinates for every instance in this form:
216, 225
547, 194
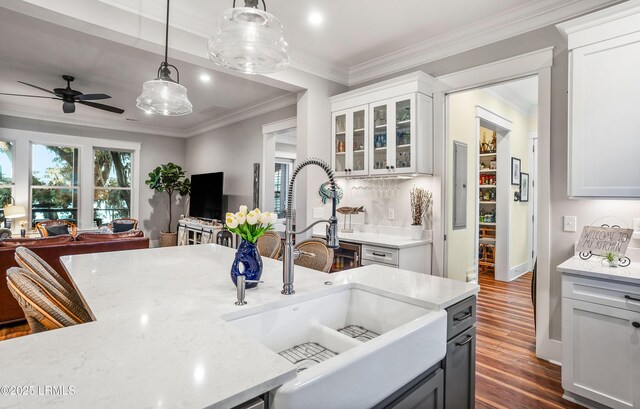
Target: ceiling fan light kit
163, 95
249, 40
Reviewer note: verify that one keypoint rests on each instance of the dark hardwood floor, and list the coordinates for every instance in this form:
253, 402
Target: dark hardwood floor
13, 331
508, 374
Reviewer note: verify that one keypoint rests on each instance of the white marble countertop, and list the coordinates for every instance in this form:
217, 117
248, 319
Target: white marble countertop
595, 268
379, 239
159, 340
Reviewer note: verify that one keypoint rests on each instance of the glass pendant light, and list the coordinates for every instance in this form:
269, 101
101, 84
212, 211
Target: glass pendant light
164, 96
249, 40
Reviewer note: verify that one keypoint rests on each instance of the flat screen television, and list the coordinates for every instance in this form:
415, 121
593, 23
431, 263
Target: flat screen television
206, 198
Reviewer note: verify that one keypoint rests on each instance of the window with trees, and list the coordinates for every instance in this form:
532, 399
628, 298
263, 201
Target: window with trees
54, 183
6, 175
280, 179
112, 185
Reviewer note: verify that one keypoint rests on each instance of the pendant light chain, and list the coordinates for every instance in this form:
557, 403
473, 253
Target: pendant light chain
166, 36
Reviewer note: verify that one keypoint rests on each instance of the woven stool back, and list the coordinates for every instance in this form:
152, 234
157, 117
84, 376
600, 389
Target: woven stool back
41, 311
320, 258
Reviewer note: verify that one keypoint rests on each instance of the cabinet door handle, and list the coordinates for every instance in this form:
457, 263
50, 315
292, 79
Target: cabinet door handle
378, 254
465, 342
636, 324
393, 167
464, 317
628, 297
387, 167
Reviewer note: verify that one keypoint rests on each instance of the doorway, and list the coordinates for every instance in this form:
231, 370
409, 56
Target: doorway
492, 208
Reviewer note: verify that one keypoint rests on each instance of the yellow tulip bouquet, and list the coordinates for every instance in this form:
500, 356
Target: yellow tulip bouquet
250, 225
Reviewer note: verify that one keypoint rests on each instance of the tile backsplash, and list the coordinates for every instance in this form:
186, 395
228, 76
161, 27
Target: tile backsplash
378, 196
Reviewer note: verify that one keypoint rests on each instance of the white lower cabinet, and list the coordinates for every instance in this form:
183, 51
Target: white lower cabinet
600, 342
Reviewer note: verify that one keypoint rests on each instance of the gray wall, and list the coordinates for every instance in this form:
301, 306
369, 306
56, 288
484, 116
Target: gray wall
588, 211
233, 150
154, 151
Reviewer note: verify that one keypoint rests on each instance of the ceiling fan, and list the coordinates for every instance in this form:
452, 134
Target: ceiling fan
70, 97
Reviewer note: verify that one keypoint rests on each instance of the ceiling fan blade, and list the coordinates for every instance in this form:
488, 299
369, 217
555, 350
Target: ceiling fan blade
102, 106
92, 97
30, 96
37, 87
68, 107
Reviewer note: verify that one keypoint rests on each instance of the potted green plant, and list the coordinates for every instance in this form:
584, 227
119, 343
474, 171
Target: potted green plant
169, 178
611, 258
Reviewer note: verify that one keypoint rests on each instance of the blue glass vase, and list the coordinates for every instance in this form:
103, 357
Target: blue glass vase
248, 263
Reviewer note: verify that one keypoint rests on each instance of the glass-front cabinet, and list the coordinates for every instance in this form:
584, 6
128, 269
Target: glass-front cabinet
350, 141
393, 137
384, 129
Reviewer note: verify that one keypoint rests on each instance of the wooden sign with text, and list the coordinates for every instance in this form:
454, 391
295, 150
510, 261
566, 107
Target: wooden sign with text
602, 240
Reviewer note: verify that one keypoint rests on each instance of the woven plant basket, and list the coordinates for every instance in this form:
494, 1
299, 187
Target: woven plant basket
168, 239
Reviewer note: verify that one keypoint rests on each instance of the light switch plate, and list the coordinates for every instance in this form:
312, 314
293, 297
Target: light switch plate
391, 214
318, 212
570, 223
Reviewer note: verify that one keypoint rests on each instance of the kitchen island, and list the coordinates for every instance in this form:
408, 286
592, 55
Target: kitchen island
159, 339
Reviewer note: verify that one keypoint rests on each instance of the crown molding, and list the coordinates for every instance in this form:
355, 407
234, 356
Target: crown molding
531, 16
241, 114
232, 117
79, 120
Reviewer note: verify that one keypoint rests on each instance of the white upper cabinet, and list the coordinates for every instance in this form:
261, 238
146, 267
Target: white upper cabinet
350, 141
604, 103
396, 137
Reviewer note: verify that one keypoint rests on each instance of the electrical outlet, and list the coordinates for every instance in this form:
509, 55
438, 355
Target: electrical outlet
391, 214
570, 223
318, 212
636, 225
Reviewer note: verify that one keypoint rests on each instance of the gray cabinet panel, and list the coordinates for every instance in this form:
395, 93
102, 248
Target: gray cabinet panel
460, 370
461, 316
428, 394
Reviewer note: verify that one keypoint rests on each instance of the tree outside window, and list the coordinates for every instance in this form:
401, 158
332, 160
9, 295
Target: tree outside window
54, 183
6, 175
112, 185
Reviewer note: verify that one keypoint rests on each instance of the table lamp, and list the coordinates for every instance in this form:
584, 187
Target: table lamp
13, 211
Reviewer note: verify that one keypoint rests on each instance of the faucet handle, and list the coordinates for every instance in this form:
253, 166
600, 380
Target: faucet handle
241, 282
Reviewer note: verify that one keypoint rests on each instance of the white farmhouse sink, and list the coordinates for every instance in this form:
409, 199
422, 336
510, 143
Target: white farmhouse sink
399, 341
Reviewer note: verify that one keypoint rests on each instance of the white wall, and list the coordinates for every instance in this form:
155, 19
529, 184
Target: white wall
155, 150
587, 210
233, 150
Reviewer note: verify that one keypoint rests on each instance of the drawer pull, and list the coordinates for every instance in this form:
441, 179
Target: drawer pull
466, 341
383, 255
464, 317
628, 297
636, 324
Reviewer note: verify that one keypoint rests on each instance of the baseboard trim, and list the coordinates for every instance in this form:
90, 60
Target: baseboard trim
517, 271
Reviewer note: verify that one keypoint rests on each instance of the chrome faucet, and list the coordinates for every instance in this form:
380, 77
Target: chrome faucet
332, 223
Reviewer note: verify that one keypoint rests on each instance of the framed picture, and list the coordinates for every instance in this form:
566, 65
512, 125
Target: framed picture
515, 171
524, 187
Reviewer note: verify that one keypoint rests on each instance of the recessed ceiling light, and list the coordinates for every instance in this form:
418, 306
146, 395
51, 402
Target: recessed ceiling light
316, 18
205, 77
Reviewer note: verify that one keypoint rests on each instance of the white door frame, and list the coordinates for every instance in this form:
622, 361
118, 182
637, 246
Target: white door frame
534, 63
533, 198
269, 134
